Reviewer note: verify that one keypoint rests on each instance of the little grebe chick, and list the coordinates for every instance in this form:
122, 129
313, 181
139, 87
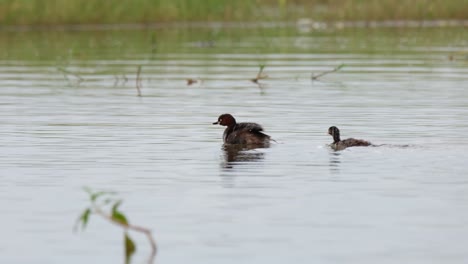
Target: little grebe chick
242, 133
339, 144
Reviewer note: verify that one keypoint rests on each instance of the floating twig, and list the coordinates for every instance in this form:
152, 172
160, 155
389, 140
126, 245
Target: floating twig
315, 77
138, 81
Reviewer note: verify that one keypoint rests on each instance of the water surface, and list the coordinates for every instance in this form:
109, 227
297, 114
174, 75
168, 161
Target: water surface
298, 201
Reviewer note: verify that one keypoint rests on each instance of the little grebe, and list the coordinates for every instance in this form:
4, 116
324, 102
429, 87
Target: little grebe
339, 144
242, 133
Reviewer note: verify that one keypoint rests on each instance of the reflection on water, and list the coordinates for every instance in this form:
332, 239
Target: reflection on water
334, 161
229, 205
238, 154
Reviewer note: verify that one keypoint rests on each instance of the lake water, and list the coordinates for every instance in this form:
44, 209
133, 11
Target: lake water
298, 201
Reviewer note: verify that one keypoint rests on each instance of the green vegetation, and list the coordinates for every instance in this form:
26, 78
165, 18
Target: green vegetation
56, 12
149, 47
100, 201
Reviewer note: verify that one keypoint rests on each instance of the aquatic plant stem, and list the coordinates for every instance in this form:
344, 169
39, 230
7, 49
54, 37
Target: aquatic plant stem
337, 68
260, 75
66, 73
138, 81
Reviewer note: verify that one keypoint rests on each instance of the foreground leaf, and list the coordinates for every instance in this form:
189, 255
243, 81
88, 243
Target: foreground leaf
93, 196
130, 247
119, 217
83, 219
115, 207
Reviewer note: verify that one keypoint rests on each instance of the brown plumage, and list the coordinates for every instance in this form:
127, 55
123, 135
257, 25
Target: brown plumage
339, 144
242, 133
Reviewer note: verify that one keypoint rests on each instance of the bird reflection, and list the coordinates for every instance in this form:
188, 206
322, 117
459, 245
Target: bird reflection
238, 154
335, 161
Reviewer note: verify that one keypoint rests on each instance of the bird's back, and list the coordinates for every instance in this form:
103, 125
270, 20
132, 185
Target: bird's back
246, 133
352, 142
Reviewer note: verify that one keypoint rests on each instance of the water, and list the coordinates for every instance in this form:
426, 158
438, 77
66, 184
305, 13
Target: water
298, 201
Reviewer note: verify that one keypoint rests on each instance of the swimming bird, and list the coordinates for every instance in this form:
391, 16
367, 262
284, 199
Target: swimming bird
242, 133
339, 144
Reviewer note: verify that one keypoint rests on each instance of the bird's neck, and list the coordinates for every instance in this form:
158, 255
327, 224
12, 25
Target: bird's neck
229, 129
336, 138
231, 126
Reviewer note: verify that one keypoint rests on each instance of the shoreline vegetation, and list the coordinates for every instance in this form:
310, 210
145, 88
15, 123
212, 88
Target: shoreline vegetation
50, 13
302, 24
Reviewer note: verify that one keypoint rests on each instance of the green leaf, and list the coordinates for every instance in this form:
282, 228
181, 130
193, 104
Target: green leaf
94, 196
119, 217
115, 207
107, 201
83, 219
130, 247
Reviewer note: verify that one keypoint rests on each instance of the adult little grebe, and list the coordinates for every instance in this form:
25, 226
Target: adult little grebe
339, 144
242, 133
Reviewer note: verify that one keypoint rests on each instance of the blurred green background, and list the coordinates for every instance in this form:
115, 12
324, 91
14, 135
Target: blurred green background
60, 12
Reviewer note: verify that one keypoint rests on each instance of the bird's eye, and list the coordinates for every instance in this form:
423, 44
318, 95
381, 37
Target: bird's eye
220, 120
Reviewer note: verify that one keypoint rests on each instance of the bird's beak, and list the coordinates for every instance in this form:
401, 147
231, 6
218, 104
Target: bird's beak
215, 123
